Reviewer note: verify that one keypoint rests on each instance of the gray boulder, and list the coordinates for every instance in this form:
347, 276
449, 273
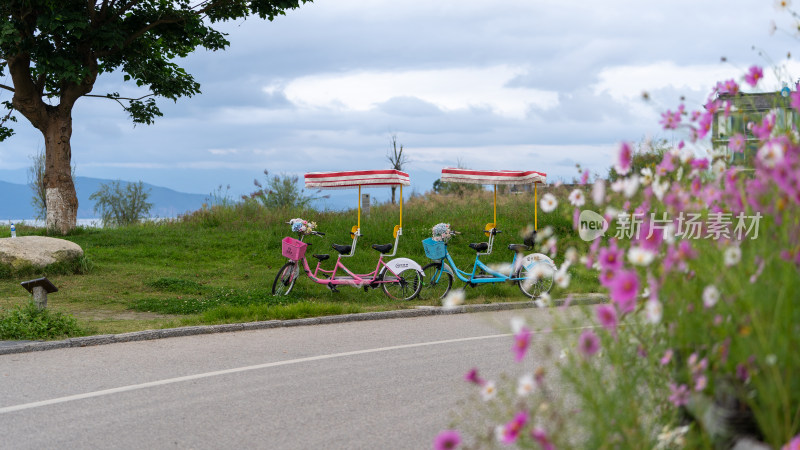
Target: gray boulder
37, 251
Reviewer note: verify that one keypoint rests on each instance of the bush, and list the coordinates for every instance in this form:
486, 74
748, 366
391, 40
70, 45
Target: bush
30, 322
121, 204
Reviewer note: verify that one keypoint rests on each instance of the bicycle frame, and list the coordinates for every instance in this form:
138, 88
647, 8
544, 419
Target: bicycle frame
329, 277
472, 278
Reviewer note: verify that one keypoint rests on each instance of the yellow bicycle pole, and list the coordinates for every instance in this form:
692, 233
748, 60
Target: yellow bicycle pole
495, 206
359, 208
535, 206
401, 206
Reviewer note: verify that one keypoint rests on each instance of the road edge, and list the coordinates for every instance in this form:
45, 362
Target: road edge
26, 347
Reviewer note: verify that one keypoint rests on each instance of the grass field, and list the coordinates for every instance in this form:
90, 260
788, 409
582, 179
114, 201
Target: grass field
217, 265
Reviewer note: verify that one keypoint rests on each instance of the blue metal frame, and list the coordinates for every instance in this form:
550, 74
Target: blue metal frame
470, 278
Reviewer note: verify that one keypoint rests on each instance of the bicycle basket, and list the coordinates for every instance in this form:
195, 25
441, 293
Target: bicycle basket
293, 249
434, 249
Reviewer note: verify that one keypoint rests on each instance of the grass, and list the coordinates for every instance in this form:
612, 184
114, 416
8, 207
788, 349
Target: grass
217, 265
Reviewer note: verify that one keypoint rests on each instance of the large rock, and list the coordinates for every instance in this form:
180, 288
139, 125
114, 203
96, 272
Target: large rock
37, 251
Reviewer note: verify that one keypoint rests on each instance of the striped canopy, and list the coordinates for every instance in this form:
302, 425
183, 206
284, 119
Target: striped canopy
452, 175
355, 178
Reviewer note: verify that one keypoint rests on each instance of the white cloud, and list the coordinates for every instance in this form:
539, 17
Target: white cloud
449, 89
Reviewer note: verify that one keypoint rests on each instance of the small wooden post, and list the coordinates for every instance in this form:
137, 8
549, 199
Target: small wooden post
39, 287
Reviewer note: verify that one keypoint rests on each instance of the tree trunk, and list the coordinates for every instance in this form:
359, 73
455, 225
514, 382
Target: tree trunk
393, 189
62, 201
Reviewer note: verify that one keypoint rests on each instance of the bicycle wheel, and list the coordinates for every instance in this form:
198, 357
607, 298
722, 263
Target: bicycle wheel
537, 279
284, 280
403, 286
436, 283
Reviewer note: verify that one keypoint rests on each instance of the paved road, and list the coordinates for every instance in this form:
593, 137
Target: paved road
377, 384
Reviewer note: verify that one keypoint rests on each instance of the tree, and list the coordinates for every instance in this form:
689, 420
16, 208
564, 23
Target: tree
120, 204
396, 158
54, 51
36, 183
282, 191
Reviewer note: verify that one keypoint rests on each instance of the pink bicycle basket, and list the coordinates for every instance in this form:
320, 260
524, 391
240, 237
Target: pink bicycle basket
293, 249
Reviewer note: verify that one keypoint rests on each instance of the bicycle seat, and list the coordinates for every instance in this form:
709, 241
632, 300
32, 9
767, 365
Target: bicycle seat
479, 247
343, 249
385, 248
321, 257
519, 248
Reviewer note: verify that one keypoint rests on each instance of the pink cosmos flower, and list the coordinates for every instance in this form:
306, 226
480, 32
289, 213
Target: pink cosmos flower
794, 444
737, 143
704, 124
472, 377
512, 429
667, 357
666, 165
607, 316
700, 163
610, 258
588, 343
624, 158
624, 288
794, 98
754, 75
670, 120
447, 440
679, 394
522, 341
650, 236
585, 177
540, 436
606, 277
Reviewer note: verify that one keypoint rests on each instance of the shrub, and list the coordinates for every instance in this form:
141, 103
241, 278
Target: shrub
121, 204
30, 322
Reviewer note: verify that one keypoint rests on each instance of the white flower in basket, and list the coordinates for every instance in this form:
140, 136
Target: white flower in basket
442, 232
301, 226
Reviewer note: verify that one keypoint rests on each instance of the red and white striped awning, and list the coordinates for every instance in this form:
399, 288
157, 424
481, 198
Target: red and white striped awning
355, 178
452, 175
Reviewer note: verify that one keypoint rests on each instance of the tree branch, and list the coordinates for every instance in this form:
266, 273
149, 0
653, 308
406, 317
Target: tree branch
8, 88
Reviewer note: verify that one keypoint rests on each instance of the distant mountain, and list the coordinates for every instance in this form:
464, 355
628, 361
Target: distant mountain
15, 200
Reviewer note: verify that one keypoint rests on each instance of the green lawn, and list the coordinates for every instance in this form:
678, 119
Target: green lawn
217, 265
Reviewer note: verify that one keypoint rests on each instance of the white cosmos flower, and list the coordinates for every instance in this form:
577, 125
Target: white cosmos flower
548, 202
618, 185
771, 153
488, 391
577, 198
562, 278
631, 186
639, 256
547, 232
679, 173
647, 176
525, 385
660, 188
710, 296
732, 256
718, 168
453, 298
654, 311
571, 255
599, 192
517, 324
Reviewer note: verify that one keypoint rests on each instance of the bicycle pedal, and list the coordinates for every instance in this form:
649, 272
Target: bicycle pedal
332, 288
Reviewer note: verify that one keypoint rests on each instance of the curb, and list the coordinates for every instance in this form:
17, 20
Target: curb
10, 347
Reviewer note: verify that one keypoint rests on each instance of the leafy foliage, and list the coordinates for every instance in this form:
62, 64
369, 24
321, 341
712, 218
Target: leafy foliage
30, 322
282, 191
120, 204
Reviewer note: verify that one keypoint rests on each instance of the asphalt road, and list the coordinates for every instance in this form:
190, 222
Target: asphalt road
389, 384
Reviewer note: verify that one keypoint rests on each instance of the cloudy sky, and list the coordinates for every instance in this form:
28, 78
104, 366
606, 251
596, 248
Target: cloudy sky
506, 84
